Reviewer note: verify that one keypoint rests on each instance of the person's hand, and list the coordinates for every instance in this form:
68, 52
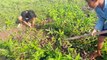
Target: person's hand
29, 24
94, 32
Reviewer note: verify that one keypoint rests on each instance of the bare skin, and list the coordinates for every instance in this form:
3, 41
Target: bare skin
94, 3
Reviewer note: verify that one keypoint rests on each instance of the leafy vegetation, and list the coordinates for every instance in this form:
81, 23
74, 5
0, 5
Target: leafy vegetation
49, 42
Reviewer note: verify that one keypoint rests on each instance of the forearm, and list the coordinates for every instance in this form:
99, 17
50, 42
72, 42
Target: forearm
27, 24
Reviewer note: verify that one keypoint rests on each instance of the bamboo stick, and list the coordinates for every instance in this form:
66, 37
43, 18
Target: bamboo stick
86, 35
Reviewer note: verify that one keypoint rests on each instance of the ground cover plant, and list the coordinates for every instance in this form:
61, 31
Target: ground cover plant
48, 41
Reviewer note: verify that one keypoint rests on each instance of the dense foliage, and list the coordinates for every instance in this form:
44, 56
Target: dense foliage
49, 41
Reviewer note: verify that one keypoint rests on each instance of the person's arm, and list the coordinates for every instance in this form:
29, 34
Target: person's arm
33, 22
20, 19
27, 24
